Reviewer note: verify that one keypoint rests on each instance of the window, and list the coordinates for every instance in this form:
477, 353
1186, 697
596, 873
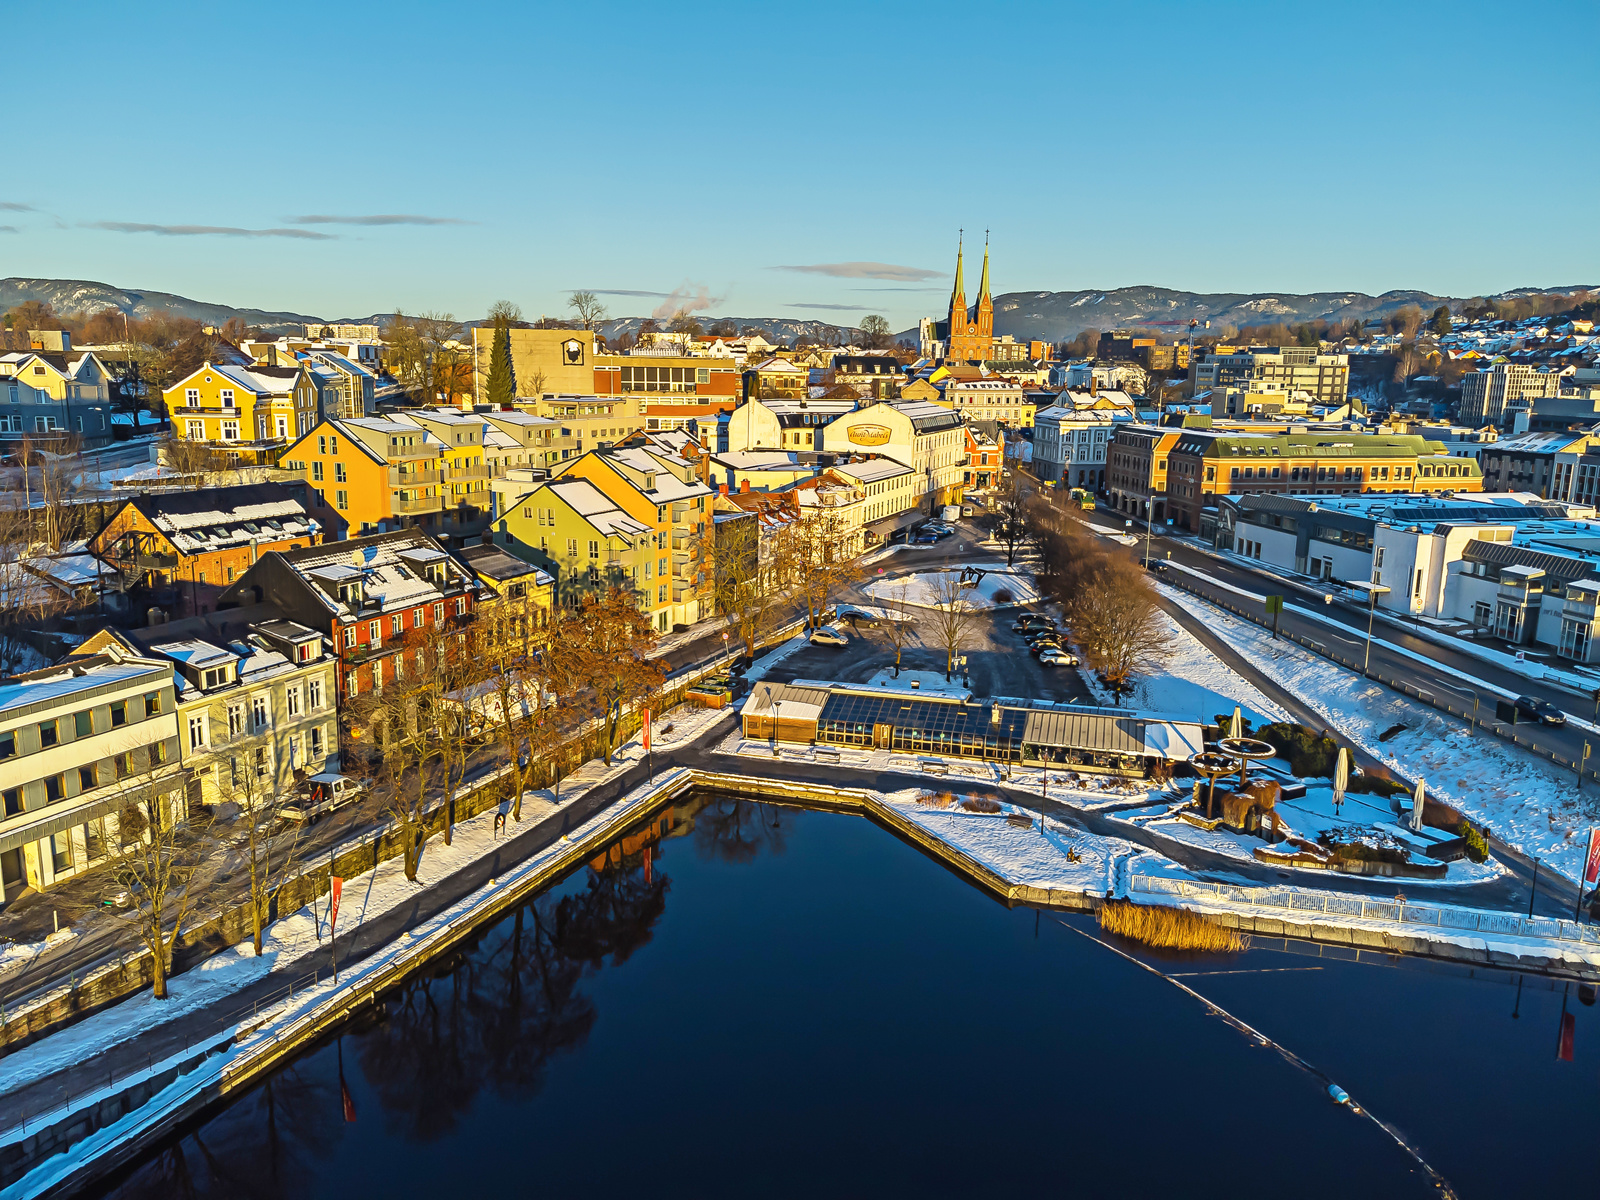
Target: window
339, 474
262, 764
375, 632
152, 704
438, 613
227, 397
87, 781
260, 714
316, 744
196, 430
594, 548
55, 788
341, 499
349, 636
191, 396
316, 472
13, 801
197, 732
418, 616
61, 851
397, 624
292, 696
314, 694
461, 606
572, 547
49, 734
8, 744
230, 431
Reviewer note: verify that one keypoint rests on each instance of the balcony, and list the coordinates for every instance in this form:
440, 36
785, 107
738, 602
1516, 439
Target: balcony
414, 479
459, 474
422, 504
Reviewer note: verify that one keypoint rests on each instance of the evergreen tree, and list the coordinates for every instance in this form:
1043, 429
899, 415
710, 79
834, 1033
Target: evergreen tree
502, 385
1441, 320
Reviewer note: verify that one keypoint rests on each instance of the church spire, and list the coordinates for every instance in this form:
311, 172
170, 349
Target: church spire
958, 294
983, 286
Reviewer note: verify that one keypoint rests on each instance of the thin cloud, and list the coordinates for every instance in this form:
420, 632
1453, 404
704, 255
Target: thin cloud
929, 289
834, 307
865, 270
9, 229
377, 219
624, 292
206, 231
13, 206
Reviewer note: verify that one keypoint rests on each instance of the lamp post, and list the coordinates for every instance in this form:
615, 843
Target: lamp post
1373, 590
1149, 522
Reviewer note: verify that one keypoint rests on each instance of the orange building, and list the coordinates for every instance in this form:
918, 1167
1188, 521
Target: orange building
183, 549
379, 475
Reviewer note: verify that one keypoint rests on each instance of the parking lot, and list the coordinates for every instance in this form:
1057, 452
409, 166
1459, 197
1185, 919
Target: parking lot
998, 662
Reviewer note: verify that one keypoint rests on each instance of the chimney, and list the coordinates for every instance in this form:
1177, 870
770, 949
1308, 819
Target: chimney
724, 488
744, 485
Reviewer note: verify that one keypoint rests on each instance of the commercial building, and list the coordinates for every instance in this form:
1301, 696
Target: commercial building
1136, 469
1025, 732
1203, 465
1070, 444
569, 361
1326, 377
1487, 393
783, 424
925, 437
990, 399
1558, 465
78, 742
986, 448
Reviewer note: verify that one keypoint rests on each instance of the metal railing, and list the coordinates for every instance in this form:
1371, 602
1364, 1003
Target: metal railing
399, 478
1342, 904
422, 504
458, 473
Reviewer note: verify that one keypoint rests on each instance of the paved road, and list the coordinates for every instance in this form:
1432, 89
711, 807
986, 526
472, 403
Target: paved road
1342, 626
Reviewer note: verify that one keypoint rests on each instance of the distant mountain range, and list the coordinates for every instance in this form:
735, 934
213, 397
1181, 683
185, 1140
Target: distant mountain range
1059, 316
1046, 316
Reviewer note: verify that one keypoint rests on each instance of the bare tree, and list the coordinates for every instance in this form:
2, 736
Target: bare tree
1011, 523
738, 560
1115, 619
953, 618
254, 781
156, 849
611, 641
897, 630
510, 699
591, 312
819, 550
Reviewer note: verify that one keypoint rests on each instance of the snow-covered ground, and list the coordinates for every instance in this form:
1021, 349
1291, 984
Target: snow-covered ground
1192, 683
922, 589
759, 668
1528, 802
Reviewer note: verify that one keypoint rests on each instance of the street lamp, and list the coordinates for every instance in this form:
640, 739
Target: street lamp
1373, 591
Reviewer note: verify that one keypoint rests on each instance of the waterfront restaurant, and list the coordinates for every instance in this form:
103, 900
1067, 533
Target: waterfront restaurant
1025, 732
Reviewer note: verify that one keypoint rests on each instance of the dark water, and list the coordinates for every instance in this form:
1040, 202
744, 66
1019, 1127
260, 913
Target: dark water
798, 1004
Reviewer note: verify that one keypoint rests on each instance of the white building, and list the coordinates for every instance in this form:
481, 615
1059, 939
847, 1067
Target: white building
928, 438
77, 741
1070, 444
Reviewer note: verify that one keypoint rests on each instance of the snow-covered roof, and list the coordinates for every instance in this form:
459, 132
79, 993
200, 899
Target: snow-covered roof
70, 678
873, 470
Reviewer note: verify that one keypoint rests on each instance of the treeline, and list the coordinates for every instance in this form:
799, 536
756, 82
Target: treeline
1106, 596
154, 351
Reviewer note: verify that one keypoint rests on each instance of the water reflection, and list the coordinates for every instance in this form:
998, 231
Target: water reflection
492, 1015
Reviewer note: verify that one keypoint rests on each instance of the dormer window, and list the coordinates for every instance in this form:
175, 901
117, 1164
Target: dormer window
350, 593
214, 678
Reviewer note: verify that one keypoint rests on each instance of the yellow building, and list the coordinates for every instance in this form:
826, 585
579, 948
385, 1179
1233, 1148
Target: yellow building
252, 414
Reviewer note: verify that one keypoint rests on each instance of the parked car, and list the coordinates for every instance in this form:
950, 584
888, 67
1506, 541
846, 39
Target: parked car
924, 538
1033, 621
323, 793
943, 531
828, 636
1541, 711
966, 510
1044, 646
1057, 658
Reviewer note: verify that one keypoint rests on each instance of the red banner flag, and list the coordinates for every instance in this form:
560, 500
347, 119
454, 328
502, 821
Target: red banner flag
647, 731
349, 1101
1591, 861
333, 912
1569, 1022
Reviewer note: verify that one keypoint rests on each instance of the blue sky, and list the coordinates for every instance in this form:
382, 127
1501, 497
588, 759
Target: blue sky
708, 150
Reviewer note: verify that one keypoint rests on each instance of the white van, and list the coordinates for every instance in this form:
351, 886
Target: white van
322, 794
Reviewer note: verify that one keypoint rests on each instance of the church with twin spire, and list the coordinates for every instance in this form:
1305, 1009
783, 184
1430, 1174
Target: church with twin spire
966, 335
